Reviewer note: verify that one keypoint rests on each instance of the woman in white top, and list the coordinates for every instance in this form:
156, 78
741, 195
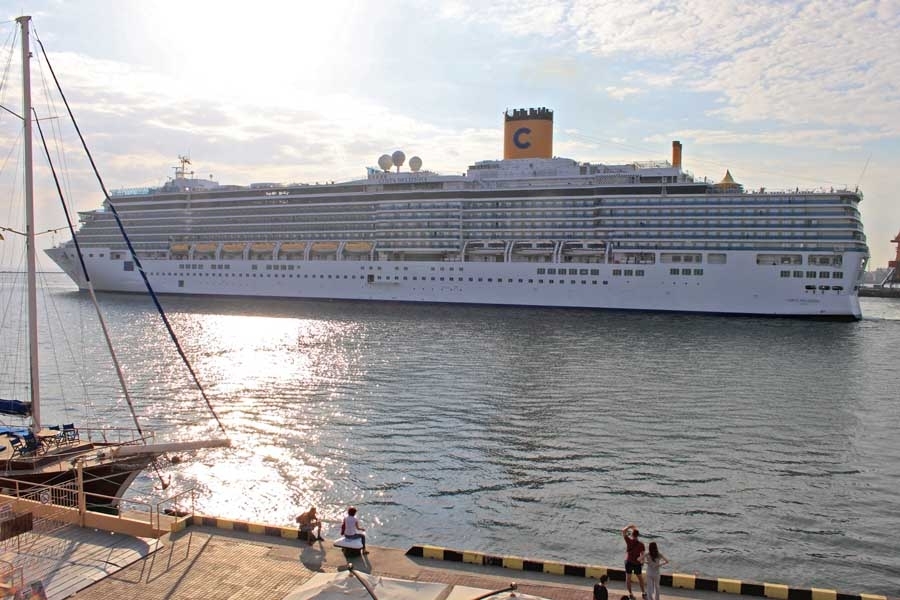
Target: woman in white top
654, 559
351, 528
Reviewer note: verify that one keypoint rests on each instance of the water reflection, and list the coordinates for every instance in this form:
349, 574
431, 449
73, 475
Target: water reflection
742, 445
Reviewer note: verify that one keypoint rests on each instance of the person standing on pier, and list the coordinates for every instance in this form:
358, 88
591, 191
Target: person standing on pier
351, 528
634, 555
654, 559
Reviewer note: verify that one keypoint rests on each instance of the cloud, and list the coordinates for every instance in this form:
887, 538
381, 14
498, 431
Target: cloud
520, 17
825, 62
620, 93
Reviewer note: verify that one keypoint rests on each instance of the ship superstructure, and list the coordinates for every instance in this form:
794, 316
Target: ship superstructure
531, 229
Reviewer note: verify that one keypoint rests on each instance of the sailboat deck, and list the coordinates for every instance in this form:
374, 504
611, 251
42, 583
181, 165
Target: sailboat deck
51, 459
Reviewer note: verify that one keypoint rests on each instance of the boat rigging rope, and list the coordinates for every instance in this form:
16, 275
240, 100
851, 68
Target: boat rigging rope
90, 286
134, 256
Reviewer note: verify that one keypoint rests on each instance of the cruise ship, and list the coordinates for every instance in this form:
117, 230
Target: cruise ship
528, 230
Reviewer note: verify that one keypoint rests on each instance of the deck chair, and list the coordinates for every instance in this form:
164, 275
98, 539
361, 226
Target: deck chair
60, 437
70, 432
16, 444
31, 443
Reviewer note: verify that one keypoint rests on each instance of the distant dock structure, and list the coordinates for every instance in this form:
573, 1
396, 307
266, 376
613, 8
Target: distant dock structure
889, 287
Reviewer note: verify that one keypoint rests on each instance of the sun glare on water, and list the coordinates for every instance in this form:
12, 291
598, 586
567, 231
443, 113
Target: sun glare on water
270, 379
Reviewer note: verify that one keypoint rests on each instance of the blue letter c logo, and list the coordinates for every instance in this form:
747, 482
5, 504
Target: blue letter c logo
522, 131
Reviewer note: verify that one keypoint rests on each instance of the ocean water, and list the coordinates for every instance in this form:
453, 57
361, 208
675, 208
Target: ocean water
751, 448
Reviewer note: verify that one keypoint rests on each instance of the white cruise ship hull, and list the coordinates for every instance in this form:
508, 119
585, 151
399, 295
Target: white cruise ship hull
740, 286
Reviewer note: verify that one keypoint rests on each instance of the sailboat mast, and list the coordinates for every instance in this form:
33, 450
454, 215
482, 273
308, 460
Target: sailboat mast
30, 256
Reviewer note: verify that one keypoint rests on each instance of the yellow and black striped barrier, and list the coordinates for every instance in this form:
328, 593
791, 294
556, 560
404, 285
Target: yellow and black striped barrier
775, 591
291, 533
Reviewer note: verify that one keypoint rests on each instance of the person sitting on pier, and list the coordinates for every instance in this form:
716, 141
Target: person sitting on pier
351, 528
308, 522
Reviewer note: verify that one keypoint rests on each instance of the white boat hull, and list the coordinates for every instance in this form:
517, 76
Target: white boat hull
741, 286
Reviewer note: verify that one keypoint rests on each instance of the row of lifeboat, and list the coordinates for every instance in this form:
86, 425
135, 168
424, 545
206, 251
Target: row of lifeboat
263, 250
472, 250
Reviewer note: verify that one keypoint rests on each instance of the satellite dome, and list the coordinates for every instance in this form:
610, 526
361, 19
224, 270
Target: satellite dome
385, 162
415, 163
398, 158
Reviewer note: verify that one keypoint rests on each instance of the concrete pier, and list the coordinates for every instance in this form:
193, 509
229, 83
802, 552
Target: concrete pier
219, 559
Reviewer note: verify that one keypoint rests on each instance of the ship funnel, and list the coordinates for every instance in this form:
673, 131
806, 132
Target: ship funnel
676, 154
528, 133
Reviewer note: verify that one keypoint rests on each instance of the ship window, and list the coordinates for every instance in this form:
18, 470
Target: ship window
798, 273
129, 265
837, 288
698, 271
520, 281
824, 287
253, 267
685, 271
810, 274
541, 271
639, 272
810, 287
785, 273
605, 282
370, 278
181, 283
542, 281
551, 271
582, 271
837, 275
531, 281
617, 272
824, 274
673, 271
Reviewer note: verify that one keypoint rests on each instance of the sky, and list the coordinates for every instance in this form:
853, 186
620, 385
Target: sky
784, 94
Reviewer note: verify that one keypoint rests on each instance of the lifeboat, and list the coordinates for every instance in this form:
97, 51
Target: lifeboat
324, 247
584, 248
233, 248
178, 248
293, 247
358, 247
205, 248
538, 248
262, 247
486, 248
